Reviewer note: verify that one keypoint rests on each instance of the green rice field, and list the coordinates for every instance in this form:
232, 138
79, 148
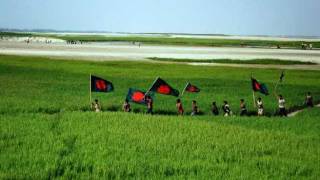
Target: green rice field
47, 130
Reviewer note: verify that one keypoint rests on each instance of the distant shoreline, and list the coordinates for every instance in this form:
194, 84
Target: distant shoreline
51, 31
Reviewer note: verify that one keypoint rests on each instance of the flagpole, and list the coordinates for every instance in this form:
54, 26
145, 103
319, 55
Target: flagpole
253, 94
90, 90
150, 87
276, 86
184, 89
254, 99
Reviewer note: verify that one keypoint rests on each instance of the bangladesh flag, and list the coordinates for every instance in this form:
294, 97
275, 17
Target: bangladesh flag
137, 96
256, 86
100, 85
160, 86
192, 88
281, 76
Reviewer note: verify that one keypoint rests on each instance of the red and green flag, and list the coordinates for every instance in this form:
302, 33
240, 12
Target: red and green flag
100, 85
192, 88
162, 87
256, 86
137, 96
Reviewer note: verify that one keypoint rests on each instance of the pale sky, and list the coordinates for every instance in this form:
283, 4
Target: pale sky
237, 17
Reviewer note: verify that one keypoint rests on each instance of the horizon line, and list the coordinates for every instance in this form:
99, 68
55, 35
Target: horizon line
44, 30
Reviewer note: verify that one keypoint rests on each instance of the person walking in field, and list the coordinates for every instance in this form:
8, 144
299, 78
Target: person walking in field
309, 100
214, 109
281, 105
179, 107
149, 105
226, 109
195, 109
95, 106
260, 107
243, 108
126, 106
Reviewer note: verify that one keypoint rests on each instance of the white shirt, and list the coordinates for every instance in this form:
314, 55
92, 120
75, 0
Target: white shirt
281, 103
260, 104
97, 107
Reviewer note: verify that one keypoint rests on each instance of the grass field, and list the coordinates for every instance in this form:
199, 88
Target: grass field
163, 40
47, 132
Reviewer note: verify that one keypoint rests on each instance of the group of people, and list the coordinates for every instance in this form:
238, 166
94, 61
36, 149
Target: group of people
214, 108
305, 46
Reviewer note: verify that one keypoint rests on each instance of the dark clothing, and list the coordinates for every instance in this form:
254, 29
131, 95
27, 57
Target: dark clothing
150, 106
243, 109
226, 109
215, 110
282, 112
149, 111
194, 110
126, 107
309, 101
243, 112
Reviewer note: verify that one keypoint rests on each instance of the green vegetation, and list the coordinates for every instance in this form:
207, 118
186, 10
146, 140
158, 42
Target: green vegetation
188, 41
164, 40
51, 85
118, 145
15, 34
232, 61
47, 132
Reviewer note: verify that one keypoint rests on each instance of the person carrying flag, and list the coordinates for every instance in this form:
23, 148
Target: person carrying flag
179, 107
95, 106
98, 84
126, 106
262, 88
282, 108
137, 96
214, 109
243, 109
260, 107
195, 109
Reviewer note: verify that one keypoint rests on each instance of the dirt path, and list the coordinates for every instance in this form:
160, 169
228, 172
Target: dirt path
292, 114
